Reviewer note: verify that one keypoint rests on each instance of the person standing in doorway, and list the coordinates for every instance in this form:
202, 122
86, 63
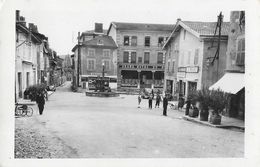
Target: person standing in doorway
150, 101
188, 105
40, 101
165, 104
158, 100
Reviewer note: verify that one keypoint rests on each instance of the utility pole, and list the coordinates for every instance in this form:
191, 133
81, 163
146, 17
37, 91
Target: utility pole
79, 57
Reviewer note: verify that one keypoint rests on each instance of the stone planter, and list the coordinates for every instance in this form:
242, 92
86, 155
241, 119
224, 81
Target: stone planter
215, 119
194, 112
204, 114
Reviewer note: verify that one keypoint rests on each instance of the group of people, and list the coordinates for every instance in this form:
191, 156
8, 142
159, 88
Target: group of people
158, 99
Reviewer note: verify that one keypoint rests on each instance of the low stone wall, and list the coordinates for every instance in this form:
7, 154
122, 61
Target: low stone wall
102, 94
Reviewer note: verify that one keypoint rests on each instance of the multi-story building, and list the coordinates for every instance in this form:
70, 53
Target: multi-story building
190, 50
140, 58
233, 80
96, 51
27, 49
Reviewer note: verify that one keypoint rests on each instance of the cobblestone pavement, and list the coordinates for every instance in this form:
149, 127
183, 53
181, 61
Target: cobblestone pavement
74, 125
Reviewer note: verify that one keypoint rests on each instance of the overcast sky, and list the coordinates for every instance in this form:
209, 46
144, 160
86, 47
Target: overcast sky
61, 20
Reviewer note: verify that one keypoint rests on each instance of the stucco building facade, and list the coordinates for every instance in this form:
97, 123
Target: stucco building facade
140, 58
190, 48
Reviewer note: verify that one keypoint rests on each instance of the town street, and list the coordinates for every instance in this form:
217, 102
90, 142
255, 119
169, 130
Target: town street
91, 127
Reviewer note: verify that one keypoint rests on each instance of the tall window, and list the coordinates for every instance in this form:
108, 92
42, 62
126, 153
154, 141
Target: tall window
147, 41
196, 57
182, 58
133, 57
189, 58
126, 57
106, 53
240, 59
184, 34
168, 68
126, 40
140, 60
146, 57
134, 41
160, 41
106, 63
91, 64
173, 64
27, 79
160, 58
91, 52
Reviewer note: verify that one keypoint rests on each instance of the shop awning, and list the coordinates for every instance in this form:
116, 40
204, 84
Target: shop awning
230, 83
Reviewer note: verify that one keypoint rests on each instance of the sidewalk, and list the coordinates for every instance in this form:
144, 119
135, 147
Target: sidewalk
226, 122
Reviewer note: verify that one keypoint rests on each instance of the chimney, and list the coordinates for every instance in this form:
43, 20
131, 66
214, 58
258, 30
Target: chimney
179, 19
33, 27
22, 21
17, 15
98, 27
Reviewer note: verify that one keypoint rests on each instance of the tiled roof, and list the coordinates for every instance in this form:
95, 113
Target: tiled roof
92, 32
207, 28
143, 26
107, 41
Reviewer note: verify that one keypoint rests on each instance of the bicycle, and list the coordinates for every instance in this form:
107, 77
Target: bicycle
23, 110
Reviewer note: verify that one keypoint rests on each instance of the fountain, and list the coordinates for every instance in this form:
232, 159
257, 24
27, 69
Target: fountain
101, 87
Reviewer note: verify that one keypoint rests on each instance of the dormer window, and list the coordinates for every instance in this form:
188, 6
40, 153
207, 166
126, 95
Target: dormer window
100, 42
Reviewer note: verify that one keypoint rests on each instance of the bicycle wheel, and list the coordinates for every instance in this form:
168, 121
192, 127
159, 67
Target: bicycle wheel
29, 111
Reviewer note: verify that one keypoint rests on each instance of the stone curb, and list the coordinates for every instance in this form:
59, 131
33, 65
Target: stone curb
211, 125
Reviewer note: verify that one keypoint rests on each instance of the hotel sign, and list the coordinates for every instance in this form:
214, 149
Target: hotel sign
135, 66
194, 69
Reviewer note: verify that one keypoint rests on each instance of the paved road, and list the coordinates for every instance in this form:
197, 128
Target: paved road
115, 127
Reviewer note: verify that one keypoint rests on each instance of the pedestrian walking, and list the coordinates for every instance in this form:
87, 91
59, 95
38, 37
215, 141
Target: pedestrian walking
158, 100
165, 104
40, 101
150, 101
188, 105
139, 100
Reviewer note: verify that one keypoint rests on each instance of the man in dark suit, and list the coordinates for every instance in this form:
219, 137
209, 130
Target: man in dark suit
165, 104
40, 101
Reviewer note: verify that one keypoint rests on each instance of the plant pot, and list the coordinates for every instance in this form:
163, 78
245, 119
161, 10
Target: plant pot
215, 119
204, 114
194, 112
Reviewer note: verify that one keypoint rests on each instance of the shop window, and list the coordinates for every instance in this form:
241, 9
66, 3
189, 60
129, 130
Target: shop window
126, 57
240, 59
140, 60
133, 57
147, 41
146, 57
160, 41
126, 40
196, 57
134, 41
160, 58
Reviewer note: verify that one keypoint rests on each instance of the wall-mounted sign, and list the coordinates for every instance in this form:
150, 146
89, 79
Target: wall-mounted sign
192, 69
135, 66
181, 74
182, 69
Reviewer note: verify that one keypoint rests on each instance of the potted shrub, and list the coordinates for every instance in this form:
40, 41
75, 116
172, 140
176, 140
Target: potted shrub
218, 103
203, 97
